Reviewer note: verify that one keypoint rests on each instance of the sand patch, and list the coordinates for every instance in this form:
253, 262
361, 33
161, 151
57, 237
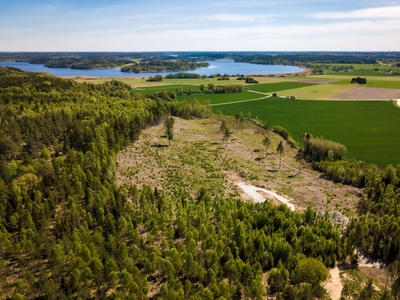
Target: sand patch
334, 285
256, 194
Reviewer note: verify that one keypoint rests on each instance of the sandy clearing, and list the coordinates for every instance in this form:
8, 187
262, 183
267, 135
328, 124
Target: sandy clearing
199, 141
334, 286
253, 192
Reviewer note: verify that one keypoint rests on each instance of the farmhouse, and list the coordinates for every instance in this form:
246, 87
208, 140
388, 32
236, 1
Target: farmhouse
359, 80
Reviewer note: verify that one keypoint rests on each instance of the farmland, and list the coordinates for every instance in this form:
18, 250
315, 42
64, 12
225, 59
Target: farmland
222, 98
362, 70
369, 129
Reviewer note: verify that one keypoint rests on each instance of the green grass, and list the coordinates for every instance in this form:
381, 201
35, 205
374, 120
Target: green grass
369, 129
278, 86
225, 98
221, 98
383, 84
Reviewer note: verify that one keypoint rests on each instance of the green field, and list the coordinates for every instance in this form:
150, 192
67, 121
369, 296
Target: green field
222, 98
151, 90
362, 70
376, 82
369, 129
262, 88
278, 86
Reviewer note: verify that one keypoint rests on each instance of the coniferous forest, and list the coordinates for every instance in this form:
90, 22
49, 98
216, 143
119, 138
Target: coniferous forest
67, 230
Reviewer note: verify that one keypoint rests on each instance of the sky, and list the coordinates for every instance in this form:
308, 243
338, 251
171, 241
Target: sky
217, 25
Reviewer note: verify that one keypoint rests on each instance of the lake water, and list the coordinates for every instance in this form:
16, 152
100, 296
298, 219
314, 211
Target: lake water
217, 66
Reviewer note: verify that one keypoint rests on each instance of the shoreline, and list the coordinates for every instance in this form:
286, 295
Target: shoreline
304, 72
301, 70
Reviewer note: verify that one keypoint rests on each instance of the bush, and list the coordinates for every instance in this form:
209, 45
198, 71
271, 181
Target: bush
155, 78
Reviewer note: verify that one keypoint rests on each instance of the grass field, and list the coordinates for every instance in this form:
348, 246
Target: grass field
369, 129
221, 98
278, 86
316, 92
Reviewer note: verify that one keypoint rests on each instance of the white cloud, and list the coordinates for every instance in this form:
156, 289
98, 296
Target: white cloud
247, 18
362, 35
392, 12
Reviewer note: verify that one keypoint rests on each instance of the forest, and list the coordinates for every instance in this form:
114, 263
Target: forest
67, 230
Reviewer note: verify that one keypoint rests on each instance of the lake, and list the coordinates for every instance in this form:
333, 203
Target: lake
216, 66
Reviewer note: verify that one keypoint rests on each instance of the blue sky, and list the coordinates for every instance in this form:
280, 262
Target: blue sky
218, 25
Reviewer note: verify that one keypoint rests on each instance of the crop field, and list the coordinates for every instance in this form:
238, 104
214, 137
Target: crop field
316, 92
369, 129
278, 86
373, 81
222, 98
368, 93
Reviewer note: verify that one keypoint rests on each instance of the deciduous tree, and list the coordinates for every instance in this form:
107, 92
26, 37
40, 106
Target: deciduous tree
266, 142
310, 270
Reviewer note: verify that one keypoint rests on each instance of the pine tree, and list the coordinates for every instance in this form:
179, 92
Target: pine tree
169, 129
280, 150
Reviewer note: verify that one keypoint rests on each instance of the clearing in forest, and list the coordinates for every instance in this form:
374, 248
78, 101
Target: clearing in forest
197, 158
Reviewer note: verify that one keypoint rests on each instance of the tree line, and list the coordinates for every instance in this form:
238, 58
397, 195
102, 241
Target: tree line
375, 232
163, 65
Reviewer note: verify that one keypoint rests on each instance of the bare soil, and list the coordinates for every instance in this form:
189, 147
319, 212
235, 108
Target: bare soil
334, 285
367, 93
